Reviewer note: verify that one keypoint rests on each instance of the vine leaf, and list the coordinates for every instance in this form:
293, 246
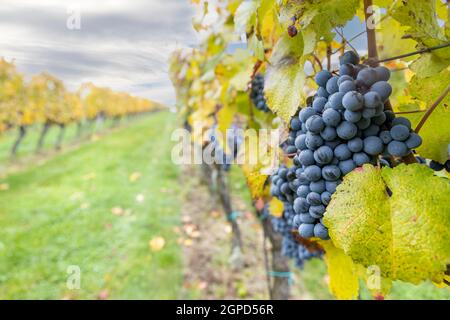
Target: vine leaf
285, 77
436, 131
344, 282
405, 235
276, 207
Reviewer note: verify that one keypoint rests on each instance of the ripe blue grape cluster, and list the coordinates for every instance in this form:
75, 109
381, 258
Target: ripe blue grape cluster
344, 126
257, 93
285, 225
234, 140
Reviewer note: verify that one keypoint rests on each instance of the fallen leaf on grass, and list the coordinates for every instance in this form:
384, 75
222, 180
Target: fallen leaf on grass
202, 285
140, 198
135, 176
157, 243
227, 229
89, 176
188, 242
85, 206
214, 214
103, 295
4, 187
117, 211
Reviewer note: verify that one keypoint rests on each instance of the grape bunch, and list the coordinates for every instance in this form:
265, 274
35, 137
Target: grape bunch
289, 247
234, 141
344, 126
257, 93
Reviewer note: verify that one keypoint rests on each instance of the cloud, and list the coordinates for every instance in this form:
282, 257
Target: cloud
121, 44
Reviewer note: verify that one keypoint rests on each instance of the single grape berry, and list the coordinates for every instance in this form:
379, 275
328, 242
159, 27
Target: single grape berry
292, 31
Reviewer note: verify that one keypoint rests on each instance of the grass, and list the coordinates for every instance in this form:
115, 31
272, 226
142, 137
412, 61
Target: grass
59, 214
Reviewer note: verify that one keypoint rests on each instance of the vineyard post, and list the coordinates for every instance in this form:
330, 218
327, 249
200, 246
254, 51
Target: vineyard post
44, 131
60, 137
20, 137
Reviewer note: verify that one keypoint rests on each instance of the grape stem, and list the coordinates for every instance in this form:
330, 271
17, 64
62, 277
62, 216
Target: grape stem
431, 109
318, 61
425, 50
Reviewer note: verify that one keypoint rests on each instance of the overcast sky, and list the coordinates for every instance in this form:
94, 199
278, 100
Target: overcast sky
122, 44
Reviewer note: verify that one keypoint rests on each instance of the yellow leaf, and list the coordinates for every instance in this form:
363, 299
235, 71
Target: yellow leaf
157, 243
117, 211
135, 176
276, 207
4, 187
343, 282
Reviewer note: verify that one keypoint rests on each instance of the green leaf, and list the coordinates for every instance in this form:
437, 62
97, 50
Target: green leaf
435, 132
320, 16
405, 235
285, 77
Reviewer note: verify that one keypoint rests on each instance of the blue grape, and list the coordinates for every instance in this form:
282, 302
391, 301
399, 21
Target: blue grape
353, 101
306, 157
300, 205
317, 211
347, 86
331, 117
373, 145
363, 124
414, 141
347, 166
346, 130
385, 136
319, 104
303, 191
399, 132
331, 173
383, 88
383, 73
332, 144
360, 158
349, 57
344, 78
315, 124
291, 149
355, 145
372, 99
328, 134
314, 199
322, 92
397, 148
317, 186
372, 130
296, 124
306, 113
300, 142
325, 197
403, 121
390, 115
313, 173
368, 113
335, 100
342, 152
313, 141
306, 230
368, 76
331, 186
347, 69
323, 155
306, 218
322, 77
332, 85
352, 116
379, 119
321, 231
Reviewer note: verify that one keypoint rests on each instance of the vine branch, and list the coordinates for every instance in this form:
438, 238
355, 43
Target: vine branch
431, 109
416, 52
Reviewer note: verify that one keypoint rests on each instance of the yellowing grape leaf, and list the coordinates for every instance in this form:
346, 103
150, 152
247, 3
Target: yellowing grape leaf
276, 207
343, 282
157, 244
435, 132
285, 77
405, 235
245, 16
